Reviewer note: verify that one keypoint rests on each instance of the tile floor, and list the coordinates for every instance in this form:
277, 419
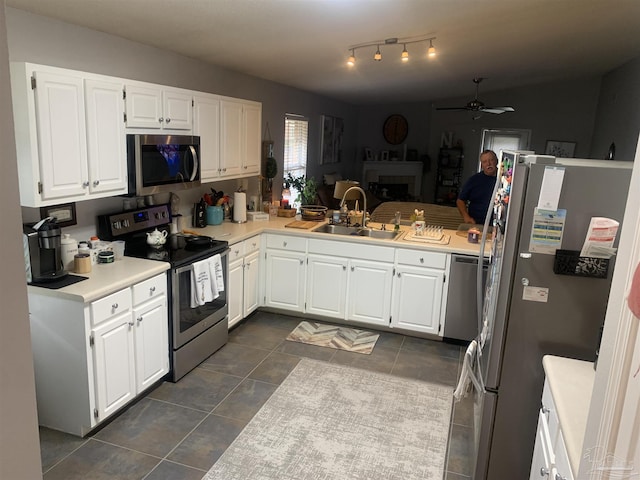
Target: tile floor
178, 430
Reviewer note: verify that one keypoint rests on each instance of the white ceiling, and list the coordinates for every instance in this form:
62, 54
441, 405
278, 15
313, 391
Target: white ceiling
304, 43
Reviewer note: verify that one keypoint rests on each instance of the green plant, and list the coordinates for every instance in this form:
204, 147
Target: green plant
307, 188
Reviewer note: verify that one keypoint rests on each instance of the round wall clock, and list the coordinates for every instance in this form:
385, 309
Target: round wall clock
395, 129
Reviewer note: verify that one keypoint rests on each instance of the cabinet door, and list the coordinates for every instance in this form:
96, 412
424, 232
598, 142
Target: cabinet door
207, 126
177, 110
151, 342
231, 138
368, 290
251, 283
62, 138
106, 140
236, 292
542, 461
114, 363
326, 286
144, 107
417, 299
285, 280
252, 120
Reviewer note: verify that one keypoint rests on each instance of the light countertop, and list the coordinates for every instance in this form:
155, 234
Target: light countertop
106, 278
571, 384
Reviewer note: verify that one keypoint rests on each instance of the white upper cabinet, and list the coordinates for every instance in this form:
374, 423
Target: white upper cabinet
206, 124
160, 108
231, 138
252, 135
70, 139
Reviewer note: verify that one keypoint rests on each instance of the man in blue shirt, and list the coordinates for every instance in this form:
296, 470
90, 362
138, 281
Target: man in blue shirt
475, 196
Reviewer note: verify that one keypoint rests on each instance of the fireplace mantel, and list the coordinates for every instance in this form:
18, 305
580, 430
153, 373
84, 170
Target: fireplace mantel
373, 171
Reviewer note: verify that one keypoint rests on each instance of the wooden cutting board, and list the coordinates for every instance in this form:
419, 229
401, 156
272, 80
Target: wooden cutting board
302, 224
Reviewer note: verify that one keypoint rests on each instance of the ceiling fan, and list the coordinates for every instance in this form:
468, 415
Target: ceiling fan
476, 105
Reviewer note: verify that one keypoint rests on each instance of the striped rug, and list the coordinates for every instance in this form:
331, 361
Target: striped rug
333, 336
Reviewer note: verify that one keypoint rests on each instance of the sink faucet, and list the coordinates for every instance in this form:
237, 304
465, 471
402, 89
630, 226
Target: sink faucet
364, 202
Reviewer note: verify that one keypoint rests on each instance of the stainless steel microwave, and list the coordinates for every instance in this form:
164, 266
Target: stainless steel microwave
162, 163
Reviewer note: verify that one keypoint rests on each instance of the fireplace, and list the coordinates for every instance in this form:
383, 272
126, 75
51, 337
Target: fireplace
402, 179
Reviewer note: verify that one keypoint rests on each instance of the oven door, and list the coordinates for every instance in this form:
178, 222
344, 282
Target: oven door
188, 322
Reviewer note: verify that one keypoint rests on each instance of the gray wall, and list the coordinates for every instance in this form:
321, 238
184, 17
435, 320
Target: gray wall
19, 442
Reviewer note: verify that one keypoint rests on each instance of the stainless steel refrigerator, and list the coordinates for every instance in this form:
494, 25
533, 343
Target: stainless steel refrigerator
530, 311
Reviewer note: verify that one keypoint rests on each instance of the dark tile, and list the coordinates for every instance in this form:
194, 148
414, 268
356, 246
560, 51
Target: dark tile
255, 334
203, 446
96, 460
459, 458
200, 388
389, 340
275, 368
432, 347
308, 351
380, 360
173, 471
276, 320
235, 359
54, 446
463, 411
245, 400
429, 368
151, 427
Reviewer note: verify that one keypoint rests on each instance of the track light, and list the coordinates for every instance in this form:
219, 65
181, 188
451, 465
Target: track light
432, 50
404, 56
352, 58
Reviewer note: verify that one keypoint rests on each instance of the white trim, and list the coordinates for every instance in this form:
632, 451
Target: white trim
609, 420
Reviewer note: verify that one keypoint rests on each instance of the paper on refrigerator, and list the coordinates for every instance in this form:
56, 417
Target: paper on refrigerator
600, 237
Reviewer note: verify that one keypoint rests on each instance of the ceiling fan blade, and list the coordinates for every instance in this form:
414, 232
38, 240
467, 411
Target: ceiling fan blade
452, 108
496, 110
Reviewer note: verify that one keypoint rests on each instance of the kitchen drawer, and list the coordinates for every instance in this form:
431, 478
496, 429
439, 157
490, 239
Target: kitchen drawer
149, 289
421, 258
236, 251
111, 305
252, 244
283, 242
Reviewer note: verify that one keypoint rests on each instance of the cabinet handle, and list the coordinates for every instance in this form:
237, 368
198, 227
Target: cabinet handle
421, 260
560, 477
130, 324
96, 183
224, 170
161, 120
284, 244
544, 472
545, 410
245, 167
139, 318
114, 306
301, 261
85, 184
353, 269
168, 120
344, 267
398, 274
236, 252
152, 289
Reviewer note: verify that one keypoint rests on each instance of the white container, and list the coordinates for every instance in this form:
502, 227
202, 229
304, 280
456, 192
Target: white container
68, 251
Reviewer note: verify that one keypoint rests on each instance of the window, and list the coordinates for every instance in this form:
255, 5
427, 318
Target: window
498, 140
296, 134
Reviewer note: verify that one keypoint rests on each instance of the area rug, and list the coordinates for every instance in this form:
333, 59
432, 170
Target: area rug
332, 422
333, 336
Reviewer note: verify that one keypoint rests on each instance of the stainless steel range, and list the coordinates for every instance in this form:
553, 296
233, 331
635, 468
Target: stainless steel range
195, 332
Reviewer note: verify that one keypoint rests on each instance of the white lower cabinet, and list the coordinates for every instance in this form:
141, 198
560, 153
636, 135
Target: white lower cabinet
327, 285
91, 359
418, 289
285, 272
369, 300
550, 458
244, 277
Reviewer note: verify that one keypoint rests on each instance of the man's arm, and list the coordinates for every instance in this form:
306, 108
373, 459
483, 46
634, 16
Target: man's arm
462, 208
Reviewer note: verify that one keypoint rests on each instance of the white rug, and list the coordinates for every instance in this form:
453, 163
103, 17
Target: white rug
332, 422
334, 336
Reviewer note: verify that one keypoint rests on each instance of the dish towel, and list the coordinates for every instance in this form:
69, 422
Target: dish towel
215, 267
201, 291
470, 370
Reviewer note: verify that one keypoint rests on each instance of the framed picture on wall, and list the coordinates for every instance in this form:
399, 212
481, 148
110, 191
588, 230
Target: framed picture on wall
331, 139
561, 149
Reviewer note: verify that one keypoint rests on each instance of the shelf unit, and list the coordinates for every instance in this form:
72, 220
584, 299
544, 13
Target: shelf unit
448, 175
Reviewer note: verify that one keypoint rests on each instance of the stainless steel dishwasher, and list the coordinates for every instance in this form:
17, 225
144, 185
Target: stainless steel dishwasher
461, 318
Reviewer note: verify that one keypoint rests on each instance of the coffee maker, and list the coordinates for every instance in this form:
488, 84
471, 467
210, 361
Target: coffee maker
42, 251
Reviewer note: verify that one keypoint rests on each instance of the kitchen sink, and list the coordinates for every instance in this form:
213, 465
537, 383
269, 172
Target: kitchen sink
356, 231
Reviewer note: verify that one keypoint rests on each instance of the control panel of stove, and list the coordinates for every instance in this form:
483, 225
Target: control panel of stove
118, 224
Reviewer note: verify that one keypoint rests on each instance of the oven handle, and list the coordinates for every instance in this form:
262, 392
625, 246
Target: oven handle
183, 269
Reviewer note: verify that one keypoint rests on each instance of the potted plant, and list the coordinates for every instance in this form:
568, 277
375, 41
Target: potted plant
307, 188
